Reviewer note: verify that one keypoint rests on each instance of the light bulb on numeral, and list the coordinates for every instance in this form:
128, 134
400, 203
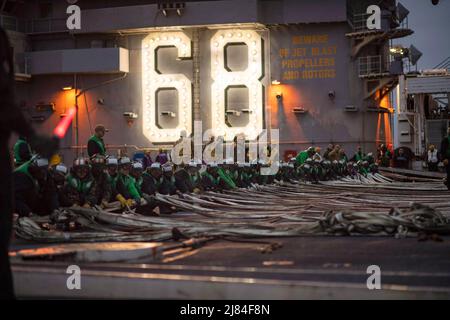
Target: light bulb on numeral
153, 81
224, 78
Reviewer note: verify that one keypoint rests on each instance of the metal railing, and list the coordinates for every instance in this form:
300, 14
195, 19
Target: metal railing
372, 65
12, 23
358, 22
46, 25
33, 25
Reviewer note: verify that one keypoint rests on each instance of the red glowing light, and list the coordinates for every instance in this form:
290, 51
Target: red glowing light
63, 125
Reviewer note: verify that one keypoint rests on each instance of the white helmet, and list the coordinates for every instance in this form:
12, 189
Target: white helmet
155, 165
61, 168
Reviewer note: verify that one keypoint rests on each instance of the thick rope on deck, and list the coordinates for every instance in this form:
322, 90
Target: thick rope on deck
372, 205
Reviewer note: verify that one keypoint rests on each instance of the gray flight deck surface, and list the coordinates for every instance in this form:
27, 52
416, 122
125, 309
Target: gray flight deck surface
409, 268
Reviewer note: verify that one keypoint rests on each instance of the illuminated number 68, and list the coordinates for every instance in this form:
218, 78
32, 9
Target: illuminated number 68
223, 79
152, 81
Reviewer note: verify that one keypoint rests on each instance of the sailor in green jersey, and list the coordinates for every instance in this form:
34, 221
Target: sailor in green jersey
182, 179
225, 180
326, 168
59, 174
101, 190
369, 158
127, 194
289, 172
306, 170
242, 178
355, 169
22, 151
361, 168
294, 173
384, 156
167, 185
359, 155
318, 173
79, 184
366, 166
95, 144
145, 185
210, 177
194, 176
137, 170
230, 170
34, 191
349, 169
112, 169
342, 167
152, 178
305, 154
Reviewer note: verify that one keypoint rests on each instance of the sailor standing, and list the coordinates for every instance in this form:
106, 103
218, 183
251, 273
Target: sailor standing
96, 145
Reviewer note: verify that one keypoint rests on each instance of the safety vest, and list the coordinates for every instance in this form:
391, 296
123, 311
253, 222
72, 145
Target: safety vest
223, 176
194, 179
301, 157
17, 145
156, 182
215, 181
138, 184
24, 168
129, 184
82, 187
112, 180
100, 143
359, 156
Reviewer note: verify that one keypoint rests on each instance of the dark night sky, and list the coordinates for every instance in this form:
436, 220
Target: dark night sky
431, 25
